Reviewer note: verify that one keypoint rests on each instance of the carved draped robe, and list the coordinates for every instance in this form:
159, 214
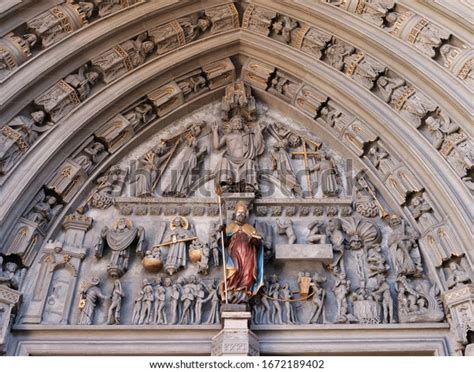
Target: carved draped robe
233, 169
119, 242
176, 257
244, 273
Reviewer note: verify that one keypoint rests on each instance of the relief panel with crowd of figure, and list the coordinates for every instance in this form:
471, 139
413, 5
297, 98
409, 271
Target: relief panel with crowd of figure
235, 188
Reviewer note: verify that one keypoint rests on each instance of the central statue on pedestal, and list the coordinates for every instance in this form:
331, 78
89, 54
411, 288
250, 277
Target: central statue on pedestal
244, 264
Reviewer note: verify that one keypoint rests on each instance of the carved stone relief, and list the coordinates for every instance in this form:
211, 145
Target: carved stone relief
349, 267
423, 34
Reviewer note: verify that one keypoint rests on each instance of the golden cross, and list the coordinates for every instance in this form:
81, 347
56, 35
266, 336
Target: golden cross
305, 153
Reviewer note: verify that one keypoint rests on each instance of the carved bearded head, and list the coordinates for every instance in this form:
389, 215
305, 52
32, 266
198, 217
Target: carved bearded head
236, 123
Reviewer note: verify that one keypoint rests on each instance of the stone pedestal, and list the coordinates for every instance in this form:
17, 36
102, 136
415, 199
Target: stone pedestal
235, 339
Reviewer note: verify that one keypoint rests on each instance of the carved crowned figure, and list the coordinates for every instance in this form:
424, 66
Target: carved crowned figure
244, 274
119, 239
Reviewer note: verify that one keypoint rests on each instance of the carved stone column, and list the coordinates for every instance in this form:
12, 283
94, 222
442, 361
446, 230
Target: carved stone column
235, 339
460, 304
9, 299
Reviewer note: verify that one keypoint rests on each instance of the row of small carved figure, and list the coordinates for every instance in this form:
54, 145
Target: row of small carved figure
52, 26
162, 302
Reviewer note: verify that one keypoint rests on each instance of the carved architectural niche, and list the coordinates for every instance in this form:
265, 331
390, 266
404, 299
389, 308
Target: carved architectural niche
219, 73
68, 93
167, 98
57, 274
14, 51
441, 244
357, 135
373, 11
416, 30
336, 53
402, 182
309, 100
123, 58
420, 207
462, 65
284, 86
17, 136
311, 40
285, 29
412, 104
9, 301
68, 180
58, 22
107, 7
363, 69
223, 18
32, 227
258, 19
115, 133
257, 73
167, 37
184, 30
380, 159
90, 155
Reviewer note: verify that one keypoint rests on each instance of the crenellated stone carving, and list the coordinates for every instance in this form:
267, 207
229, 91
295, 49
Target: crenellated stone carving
14, 51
